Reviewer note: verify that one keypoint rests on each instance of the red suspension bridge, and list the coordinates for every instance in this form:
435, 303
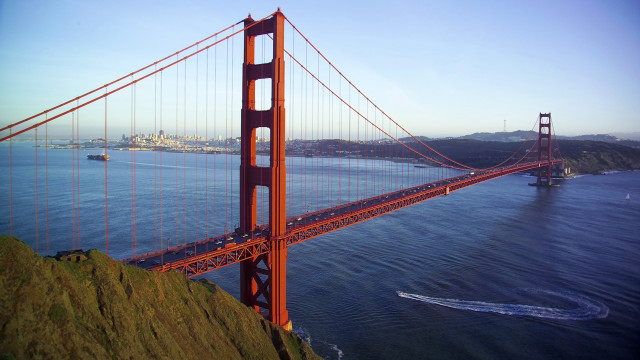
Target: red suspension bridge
187, 164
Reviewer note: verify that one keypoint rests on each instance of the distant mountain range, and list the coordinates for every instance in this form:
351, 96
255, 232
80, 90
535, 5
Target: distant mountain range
627, 135
522, 135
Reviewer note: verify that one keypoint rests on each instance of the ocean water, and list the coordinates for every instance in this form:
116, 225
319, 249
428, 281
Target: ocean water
498, 270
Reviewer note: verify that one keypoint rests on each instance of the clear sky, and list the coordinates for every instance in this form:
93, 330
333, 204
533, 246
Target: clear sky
440, 68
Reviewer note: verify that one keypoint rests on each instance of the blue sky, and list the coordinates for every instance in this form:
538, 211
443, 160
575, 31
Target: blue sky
438, 68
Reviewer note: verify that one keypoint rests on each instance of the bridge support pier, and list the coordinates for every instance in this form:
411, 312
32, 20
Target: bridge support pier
263, 279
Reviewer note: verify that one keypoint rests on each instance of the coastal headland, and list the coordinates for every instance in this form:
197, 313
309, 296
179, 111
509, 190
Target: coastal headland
94, 307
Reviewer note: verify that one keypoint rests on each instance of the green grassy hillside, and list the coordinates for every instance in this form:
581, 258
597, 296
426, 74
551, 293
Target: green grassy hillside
102, 309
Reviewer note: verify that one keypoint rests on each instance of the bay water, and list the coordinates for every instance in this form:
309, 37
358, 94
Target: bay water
498, 270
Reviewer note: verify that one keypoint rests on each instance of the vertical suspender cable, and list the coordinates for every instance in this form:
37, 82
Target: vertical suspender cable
215, 117
176, 148
36, 192
10, 182
197, 204
400, 175
305, 124
154, 138
327, 98
302, 143
232, 106
358, 157
206, 157
349, 148
133, 169
161, 140
319, 138
46, 181
106, 204
135, 180
312, 143
366, 146
341, 154
73, 182
314, 173
226, 142
131, 151
78, 175
263, 101
291, 116
184, 159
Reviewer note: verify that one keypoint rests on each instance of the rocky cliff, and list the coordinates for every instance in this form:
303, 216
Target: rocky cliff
102, 309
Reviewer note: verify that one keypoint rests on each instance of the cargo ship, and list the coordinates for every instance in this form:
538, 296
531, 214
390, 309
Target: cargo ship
103, 157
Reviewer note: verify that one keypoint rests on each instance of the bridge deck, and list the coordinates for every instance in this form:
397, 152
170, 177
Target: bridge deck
213, 253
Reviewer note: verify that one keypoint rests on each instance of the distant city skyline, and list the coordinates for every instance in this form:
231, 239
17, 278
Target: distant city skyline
439, 69
53, 137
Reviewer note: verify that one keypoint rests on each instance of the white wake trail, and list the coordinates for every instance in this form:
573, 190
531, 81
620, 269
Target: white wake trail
587, 308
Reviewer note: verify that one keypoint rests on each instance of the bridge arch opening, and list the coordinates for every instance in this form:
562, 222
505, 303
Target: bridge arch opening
263, 49
263, 95
263, 146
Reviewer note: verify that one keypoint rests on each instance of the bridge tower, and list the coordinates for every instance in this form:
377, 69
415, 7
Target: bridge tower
544, 149
263, 278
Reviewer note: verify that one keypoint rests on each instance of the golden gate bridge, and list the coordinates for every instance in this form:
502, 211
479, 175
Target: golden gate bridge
352, 161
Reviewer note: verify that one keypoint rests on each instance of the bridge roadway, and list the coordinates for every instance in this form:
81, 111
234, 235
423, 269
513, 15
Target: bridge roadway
209, 254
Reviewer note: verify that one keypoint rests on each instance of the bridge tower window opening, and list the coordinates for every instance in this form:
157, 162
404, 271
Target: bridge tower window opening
263, 147
263, 94
263, 45
262, 213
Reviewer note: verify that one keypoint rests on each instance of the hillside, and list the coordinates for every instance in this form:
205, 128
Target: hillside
521, 135
102, 309
595, 157
583, 156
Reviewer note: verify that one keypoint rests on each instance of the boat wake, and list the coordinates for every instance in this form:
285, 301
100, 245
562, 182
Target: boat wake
587, 308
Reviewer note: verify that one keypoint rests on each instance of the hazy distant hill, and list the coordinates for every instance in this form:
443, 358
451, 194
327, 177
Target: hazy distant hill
627, 135
513, 136
522, 135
